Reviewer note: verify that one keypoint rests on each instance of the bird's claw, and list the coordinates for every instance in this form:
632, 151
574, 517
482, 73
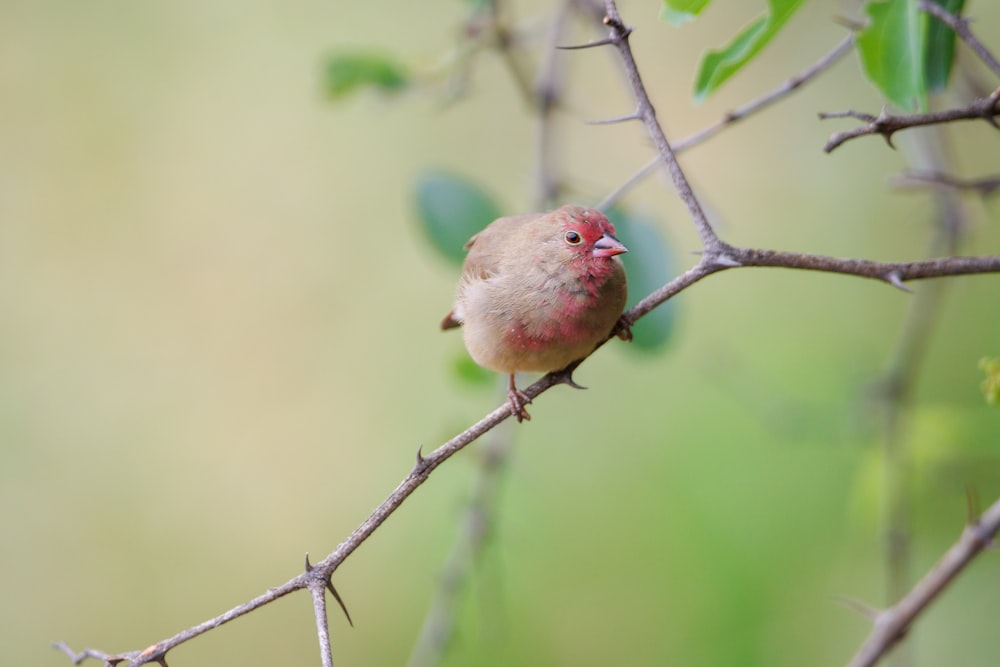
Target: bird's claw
518, 399
623, 329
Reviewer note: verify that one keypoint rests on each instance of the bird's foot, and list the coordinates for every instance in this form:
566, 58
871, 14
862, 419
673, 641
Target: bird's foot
518, 399
623, 329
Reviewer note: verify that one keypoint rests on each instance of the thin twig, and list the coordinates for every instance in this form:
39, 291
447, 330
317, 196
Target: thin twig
548, 92
984, 187
616, 119
892, 624
619, 38
86, 653
504, 45
885, 124
961, 27
318, 593
733, 117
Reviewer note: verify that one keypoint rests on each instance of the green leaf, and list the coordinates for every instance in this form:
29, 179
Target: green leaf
349, 72
469, 372
649, 265
451, 209
891, 52
939, 47
717, 66
991, 385
677, 12
949, 446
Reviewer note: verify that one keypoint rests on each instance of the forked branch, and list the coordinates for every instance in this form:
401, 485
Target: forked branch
885, 124
717, 256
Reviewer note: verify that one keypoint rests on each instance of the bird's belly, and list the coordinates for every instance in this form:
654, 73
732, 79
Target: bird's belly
557, 330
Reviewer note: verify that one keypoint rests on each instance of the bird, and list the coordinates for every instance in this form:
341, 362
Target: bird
539, 291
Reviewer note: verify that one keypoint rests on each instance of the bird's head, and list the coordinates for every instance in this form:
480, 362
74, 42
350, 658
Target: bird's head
587, 231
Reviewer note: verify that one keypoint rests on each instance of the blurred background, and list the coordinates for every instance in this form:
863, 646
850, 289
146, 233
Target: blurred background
220, 350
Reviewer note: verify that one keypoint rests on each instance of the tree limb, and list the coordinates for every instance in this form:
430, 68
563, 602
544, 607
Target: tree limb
734, 116
885, 124
717, 256
961, 27
892, 624
984, 187
619, 38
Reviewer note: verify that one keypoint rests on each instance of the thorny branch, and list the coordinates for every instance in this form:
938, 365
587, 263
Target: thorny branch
723, 258
961, 27
892, 624
734, 116
717, 256
985, 108
885, 124
619, 39
984, 187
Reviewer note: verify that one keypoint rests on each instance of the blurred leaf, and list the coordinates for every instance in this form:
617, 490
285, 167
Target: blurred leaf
717, 66
991, 385
451, 209
891, 52
469, 372
939, 47
349, 72
951, 448
681, 11
649, 266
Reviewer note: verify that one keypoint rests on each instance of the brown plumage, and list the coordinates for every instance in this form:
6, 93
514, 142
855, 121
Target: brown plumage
539, 291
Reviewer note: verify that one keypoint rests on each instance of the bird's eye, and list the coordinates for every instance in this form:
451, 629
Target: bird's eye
573, 238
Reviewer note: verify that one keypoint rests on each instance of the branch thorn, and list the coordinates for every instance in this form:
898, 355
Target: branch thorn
565, 376
725, 261
588, 45
860, 608
328, 581
336, 596
617, 119
893, 279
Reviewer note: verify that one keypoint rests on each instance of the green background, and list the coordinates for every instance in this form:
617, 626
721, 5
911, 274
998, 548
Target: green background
219, 350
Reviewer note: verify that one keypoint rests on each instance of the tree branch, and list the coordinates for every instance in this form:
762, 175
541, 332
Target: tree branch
961, 27
718, 256
734, 116
721, 258
984, 108
984, 187
892, 624
619, 38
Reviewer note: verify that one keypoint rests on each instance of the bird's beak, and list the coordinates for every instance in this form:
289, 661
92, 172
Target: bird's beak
608, 246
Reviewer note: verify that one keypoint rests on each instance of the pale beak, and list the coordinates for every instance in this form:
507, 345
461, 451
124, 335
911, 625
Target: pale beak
608, 246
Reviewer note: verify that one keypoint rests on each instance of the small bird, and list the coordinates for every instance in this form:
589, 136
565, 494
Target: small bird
539, 291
